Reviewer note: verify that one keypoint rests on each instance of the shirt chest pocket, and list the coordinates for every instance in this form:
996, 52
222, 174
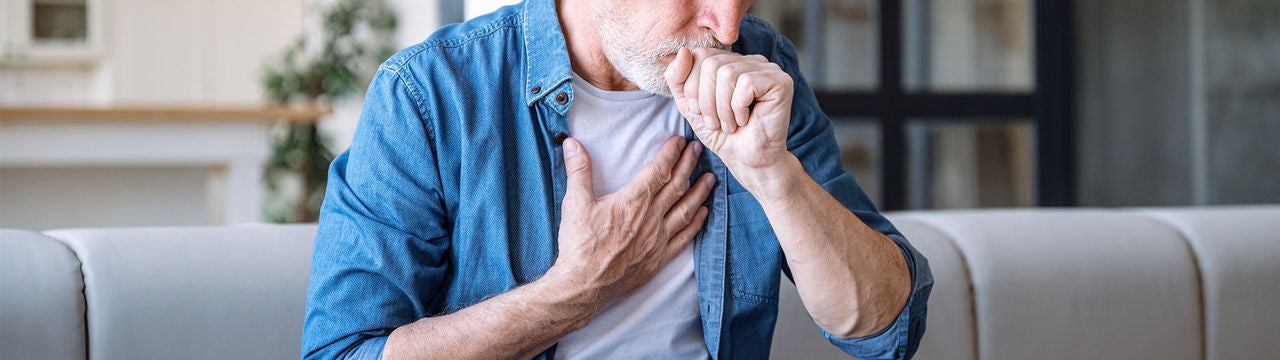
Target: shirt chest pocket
755, 257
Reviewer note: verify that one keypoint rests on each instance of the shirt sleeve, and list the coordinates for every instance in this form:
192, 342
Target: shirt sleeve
380, 250
368, 349
812, 140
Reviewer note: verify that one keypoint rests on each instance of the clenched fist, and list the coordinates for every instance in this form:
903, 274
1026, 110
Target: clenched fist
738, 105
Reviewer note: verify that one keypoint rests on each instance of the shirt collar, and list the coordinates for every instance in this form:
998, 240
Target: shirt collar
546, 55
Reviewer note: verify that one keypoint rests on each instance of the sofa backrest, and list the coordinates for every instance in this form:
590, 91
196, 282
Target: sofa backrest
1009, 284
951, 330
1238, 254
1063, 284
1187, 283
41, 307
194, 293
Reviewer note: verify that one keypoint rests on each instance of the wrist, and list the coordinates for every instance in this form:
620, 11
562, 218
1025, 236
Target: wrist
774, 182
562, 289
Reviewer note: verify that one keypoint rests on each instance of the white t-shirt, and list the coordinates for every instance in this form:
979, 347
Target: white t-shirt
622, 131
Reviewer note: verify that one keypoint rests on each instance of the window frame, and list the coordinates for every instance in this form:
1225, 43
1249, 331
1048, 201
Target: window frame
1048, 105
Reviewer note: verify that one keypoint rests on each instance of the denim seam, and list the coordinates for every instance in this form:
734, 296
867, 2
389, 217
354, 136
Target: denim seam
398, 61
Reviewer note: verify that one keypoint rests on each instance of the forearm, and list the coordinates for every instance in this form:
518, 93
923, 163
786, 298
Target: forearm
852, 279
517, 324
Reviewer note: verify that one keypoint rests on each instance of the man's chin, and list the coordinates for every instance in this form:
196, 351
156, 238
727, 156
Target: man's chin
657, 83
658, 88
664, 93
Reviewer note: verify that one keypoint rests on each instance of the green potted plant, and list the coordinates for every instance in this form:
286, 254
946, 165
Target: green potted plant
356, 36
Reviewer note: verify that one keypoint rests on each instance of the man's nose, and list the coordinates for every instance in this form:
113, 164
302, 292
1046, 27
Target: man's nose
721, 18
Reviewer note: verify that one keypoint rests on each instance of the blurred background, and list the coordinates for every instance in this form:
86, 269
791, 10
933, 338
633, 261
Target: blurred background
194, 112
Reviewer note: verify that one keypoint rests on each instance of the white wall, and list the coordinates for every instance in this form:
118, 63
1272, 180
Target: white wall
59, 197
474, 8
195, 51
154, 52
417, 20
168, 52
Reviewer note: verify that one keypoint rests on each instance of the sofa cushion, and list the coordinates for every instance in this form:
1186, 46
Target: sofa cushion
41, 303
194, 293
1077, 284
1237, 251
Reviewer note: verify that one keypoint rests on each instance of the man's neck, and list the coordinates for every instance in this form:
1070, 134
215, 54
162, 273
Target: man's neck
586, 48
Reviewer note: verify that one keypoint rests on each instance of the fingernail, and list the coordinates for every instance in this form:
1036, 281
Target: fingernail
570, 147
697, 147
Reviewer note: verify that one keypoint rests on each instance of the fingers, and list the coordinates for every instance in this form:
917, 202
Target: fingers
709, 62
726, 81
683, 238
718, 76
577, 168
683, 212
650, 181
679, 184
740, 101
677, 73
713, 83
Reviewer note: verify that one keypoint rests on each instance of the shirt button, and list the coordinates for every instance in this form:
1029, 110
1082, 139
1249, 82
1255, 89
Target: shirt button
536, 89
561, 98
560, 138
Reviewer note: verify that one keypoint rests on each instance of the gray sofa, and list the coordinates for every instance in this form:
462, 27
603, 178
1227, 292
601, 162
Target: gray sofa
1195, 283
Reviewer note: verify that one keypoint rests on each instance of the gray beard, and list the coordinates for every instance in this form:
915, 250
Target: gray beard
643, 66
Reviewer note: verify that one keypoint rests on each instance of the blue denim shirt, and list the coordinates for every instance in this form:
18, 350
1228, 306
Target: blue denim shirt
451, 190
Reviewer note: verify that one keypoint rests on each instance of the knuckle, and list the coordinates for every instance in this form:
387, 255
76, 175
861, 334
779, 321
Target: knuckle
708, 66
713, 64
663, 175
730, 70
685, 215
671, 192
725, 73
656, 189
681, 187
715, 60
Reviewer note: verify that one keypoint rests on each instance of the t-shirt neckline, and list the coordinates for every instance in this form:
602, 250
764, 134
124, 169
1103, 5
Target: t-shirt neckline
581, 84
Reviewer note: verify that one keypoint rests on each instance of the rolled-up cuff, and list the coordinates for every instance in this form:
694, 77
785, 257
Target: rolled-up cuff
901, 338
369, 349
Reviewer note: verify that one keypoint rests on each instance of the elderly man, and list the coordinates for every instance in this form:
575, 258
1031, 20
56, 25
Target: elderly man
584, 179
